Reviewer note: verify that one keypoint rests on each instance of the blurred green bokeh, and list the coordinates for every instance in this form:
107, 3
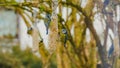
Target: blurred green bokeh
17, 58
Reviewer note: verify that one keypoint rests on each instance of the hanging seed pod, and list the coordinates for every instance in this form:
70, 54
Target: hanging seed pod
29, 31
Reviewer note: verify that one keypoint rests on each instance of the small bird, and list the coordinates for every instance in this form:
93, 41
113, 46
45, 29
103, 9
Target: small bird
106, 2
64, 31
47, 21
111, 50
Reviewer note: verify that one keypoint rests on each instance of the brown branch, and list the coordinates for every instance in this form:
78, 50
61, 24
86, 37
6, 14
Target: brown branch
72, 58
70, 39
89, 24
101, 50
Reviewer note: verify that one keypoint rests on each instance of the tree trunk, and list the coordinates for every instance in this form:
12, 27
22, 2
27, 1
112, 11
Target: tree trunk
53, 34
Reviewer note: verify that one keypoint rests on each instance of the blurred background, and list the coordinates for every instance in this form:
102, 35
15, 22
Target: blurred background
24, 42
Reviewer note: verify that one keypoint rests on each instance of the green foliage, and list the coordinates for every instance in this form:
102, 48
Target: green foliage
19, 59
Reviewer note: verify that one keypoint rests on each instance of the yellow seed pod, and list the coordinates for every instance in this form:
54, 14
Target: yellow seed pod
29, 31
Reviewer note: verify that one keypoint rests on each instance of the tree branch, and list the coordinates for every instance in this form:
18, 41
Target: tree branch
89, 24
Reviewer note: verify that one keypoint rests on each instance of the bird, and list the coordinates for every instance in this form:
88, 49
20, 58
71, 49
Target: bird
106, 2
111, 50
64, 31
47, 21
